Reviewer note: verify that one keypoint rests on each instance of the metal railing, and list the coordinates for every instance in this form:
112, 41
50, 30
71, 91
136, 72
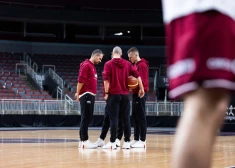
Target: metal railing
32, 69
44, 66
155, 81
56, 78
20, 64
35, 67
20, 106
68, 103
53, 107
70, 107
29, 62
59, 92
99, 107
37, 78
27, 59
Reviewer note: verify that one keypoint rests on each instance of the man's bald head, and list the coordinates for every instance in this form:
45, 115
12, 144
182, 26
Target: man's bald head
117, 50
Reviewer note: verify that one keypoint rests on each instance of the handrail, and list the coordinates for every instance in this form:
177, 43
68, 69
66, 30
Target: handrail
28, 61
68, 99
48, 66
36, 67
59, 91
56, 78
68, 103
30, 70
69, 106
155, 81
37, 78
20, 64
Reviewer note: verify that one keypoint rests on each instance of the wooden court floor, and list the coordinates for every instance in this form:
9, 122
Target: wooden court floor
59, 149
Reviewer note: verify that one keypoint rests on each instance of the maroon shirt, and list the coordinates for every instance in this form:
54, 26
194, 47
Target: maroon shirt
88, 76
142, 67
116, 71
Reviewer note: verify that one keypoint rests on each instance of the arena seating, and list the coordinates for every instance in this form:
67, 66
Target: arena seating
67, 67
12, 86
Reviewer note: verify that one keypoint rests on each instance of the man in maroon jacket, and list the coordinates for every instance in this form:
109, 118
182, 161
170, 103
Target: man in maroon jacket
138, 104
115, 76
86, 91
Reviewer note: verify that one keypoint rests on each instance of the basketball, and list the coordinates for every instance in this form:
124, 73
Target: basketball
132, 82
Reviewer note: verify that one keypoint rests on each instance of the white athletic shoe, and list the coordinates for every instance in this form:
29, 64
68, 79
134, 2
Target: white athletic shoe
87, 145
126, 145
118, 142
110, 145
99, 143
133, 142
139, 144
79, 144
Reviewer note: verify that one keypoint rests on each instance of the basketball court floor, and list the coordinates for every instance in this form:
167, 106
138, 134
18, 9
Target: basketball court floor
58, 148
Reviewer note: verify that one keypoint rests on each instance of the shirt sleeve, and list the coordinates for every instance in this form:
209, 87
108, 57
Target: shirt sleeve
134, 72
143, 71
83, 73
106, 72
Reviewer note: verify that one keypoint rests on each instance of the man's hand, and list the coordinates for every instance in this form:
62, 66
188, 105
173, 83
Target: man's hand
76, 96
106, 97
141, 93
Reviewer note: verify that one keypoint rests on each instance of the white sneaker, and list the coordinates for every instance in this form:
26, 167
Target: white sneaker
99, 143
133, 142
110, 145
87, 145
139, 144
79, 144
126, 145
118, 142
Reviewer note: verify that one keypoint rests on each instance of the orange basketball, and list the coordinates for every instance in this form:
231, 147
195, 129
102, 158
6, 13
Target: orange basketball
132, 82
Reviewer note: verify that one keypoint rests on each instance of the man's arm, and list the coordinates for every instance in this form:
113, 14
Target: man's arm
106, 77
135, 73
143, 71
141, 91
81, 79
106, 89
140, 83
79, 87
106, 86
